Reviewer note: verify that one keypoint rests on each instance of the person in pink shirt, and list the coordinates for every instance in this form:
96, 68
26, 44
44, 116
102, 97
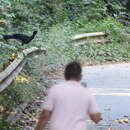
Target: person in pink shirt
68, 104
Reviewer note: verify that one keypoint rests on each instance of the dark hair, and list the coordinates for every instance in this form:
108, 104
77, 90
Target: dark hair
73, 70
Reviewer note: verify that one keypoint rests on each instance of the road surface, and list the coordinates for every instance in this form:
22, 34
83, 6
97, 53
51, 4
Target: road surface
111, 86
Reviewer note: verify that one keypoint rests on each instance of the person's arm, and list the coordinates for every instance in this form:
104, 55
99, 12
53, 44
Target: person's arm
43, 120
95, 117
47, 110
94, 112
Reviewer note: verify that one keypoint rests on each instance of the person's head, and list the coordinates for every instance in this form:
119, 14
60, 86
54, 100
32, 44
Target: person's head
73, 71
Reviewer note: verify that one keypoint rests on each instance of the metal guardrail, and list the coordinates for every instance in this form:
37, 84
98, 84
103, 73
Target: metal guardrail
8, 75
95, 37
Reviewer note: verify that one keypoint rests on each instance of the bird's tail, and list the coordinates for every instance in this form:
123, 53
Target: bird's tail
6, 37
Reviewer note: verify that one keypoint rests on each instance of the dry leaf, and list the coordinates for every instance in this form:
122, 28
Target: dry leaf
1, 109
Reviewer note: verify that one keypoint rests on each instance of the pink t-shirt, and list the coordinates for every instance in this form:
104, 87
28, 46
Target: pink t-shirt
70, 104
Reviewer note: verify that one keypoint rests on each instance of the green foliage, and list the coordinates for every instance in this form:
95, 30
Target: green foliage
5, 54
105, 52
61, 50
5, 125
57, 21
6, 15
58, 39
73, 10
108, 24
115, 7
115, 30
23, 88
32, 14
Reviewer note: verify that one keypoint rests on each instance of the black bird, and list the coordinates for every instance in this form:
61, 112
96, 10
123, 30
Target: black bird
21, 37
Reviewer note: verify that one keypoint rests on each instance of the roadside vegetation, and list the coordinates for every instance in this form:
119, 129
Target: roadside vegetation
57, 22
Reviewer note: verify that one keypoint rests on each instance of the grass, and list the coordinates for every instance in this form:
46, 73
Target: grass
4, 125
106, 52
61, 50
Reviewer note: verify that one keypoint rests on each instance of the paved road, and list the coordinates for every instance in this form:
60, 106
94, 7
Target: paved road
111, 86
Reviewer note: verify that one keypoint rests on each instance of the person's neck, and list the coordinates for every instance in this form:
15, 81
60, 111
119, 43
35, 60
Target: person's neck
75, 80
